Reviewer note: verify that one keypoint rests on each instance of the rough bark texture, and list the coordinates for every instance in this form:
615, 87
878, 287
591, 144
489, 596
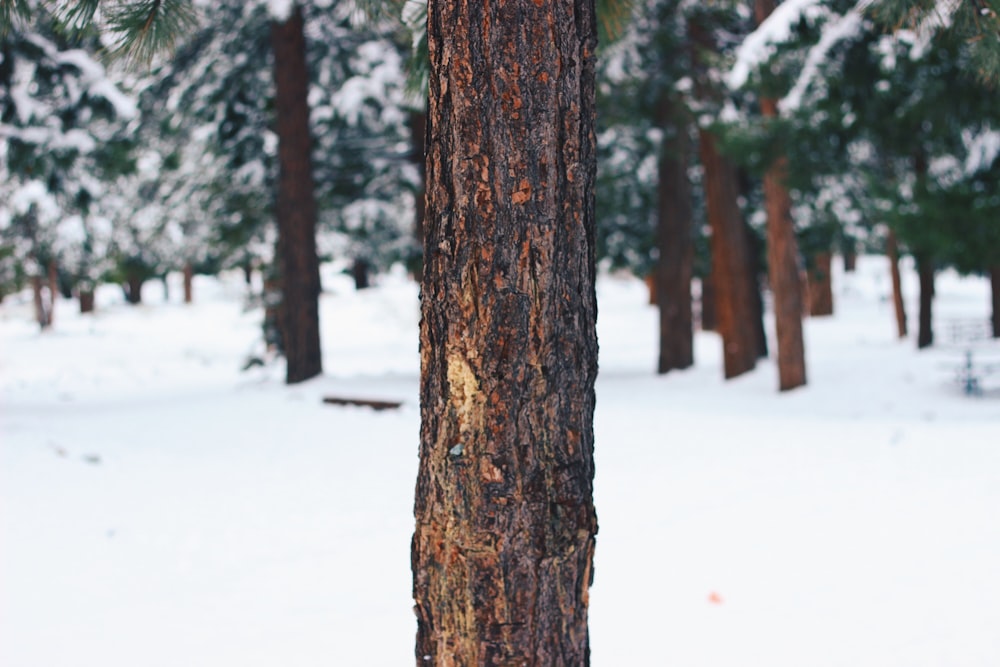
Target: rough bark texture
188, 282
925, 272
821, 285
676, 244
892, 250
995, 286
505, 522
296, 205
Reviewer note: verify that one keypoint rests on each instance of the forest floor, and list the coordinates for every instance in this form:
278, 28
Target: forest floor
159, 507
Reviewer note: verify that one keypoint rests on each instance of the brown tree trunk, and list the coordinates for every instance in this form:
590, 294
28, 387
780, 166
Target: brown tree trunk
709, 322
418, 139
783, 275
296, 205
188, 280
925, 271
850, 260
995, 288
821, 285
360, 273
756, 290
782, 255
133, 287
892, 250
675, 242
86, 297
53, 273
730, 260
505, 521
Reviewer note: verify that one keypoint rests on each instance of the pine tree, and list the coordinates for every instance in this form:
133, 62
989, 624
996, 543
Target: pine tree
503, 549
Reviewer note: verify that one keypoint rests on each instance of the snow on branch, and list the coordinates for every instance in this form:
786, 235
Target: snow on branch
847, 26
776, 29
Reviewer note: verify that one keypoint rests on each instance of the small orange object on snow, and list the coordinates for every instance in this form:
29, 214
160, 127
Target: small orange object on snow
714, 598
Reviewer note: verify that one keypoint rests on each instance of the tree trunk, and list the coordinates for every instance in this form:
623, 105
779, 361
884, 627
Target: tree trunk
783, 275
892, 250
43, 305
133, 287
676, 244
54, 292
188, 280
360, 273
709, 322
296, 204
821, 285
850, 260
86, 297
756, 290
995, 287
730, 260
505, 522
782, 255
418, 139
925, 271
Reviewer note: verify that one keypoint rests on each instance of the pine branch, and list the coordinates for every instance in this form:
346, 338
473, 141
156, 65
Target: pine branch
146, 27
12, 11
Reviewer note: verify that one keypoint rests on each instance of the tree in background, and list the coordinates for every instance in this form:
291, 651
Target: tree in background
295, 207
782, 251
63, 134
732, 274
504, 542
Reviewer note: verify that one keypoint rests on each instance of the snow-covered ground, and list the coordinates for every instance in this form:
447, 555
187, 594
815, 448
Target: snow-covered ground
158, 507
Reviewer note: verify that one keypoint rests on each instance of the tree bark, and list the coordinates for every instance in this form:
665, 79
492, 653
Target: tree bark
708, 320
925, 271
43, 306
756, 289
675, 242
86, 297
730, 260
360, 273
188, 282
296, 203
821, 285
133, 287
850, 260
783, 275
995, 288
782, 255
892, 250
505, 521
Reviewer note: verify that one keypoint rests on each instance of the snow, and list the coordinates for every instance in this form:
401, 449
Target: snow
159, 507
280, 10
842, 28
758, 46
